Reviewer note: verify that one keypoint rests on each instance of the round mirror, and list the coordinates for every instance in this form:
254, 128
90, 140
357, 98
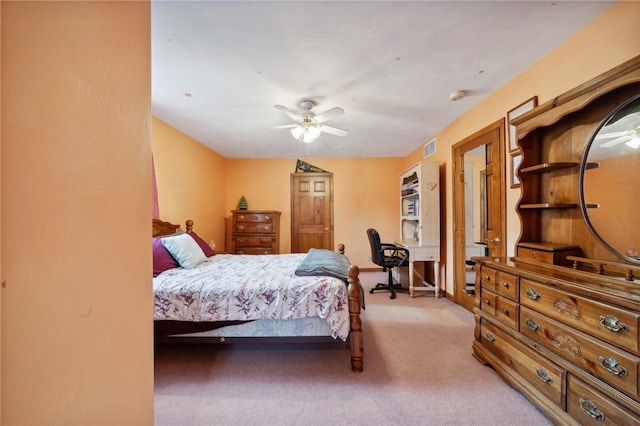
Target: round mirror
609, 184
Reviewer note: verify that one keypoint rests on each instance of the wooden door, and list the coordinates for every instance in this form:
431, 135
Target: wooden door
311, 211
491, 209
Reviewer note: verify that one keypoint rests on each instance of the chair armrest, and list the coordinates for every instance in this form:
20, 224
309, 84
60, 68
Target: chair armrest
396, 251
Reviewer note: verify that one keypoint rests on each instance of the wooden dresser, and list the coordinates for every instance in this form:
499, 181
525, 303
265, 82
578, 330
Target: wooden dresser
553, 321
255, 232
567, 339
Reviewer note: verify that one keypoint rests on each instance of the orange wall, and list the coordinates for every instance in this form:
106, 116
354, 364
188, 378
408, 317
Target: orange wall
191, 182
77, 331
365, 196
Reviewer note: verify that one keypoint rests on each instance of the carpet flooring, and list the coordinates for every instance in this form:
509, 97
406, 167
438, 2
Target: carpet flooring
418, 370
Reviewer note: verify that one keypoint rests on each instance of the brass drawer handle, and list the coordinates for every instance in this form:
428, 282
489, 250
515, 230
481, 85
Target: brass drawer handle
505, 311
532, 294
487, 278
543, 375
590, 408
611, 322
487, 302
531, 324
490, 337
611, 365
505, 284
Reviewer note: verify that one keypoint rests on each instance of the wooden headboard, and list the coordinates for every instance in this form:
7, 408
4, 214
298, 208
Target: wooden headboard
161, 227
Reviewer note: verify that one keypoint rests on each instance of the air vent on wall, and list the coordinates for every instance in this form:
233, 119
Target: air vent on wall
430, 148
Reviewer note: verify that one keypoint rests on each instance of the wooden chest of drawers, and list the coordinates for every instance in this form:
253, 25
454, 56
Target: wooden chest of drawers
255, 232
567, 340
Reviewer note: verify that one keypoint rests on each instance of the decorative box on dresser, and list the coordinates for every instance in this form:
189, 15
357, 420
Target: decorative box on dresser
560, 321
255, 232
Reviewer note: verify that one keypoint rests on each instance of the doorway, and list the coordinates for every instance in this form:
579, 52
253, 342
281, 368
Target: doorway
311, 211
479, 200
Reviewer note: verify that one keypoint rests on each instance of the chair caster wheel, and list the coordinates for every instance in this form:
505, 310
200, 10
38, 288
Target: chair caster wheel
370, 291
393, 296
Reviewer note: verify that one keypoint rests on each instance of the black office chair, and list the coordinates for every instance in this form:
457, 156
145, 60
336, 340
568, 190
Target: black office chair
388, 256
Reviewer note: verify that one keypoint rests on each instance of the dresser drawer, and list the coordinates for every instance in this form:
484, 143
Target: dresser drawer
488, 278
550, 254
488, 301
612, 365
254, 250
507, 285
590, 407
250, 217
254, 241
615, 325
251, 227
507, 311
544, 375
537, 255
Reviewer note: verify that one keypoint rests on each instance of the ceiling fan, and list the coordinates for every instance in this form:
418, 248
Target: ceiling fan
625, 129
629, 137
309, 125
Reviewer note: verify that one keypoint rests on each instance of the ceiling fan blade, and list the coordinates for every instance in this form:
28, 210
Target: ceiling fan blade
615, 141
286, 126
287, 112
329, 114
333, 130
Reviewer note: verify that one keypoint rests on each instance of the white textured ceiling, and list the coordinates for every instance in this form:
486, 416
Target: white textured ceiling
219, 67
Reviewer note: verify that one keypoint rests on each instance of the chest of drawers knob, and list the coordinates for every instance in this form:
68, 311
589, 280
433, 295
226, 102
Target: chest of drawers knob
611, 322
531, 324
532, 294
590, 408
543, 375
611, 365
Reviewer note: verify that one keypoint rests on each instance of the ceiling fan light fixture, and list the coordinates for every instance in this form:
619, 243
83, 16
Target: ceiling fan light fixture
306, 133
297, 132
633, 142
309, 127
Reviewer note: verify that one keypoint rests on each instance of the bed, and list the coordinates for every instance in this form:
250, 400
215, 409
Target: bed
229, 298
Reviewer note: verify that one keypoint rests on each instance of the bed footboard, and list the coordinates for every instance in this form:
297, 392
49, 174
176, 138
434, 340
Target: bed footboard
355, 336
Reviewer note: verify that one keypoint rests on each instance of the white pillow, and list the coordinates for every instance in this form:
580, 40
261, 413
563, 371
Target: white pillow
185, 250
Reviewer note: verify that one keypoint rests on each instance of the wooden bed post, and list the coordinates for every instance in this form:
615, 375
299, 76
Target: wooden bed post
355, 336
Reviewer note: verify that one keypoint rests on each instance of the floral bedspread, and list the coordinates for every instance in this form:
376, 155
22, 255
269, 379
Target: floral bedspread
246, 287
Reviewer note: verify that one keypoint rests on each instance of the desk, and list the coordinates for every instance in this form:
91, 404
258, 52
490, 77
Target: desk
418, 253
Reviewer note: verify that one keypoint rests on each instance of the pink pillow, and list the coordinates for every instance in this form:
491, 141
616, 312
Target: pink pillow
206, 249
162, 259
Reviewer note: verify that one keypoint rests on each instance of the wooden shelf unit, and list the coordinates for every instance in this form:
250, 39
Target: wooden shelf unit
420, 222
551, 139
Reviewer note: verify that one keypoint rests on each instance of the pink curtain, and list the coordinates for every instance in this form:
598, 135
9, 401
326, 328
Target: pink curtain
155, 209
